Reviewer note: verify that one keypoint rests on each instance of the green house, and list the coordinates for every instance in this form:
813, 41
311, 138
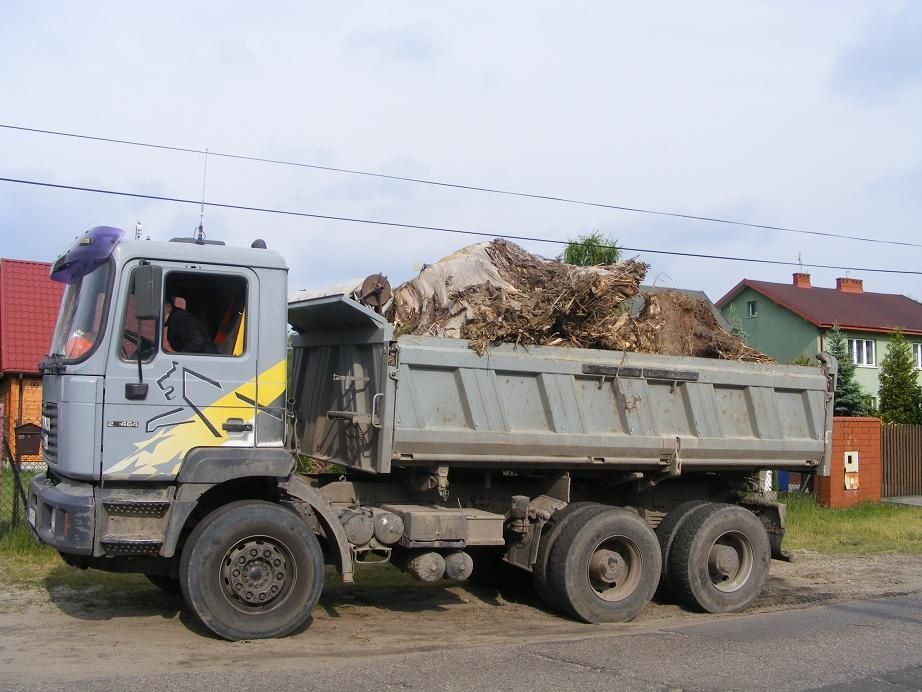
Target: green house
790, 321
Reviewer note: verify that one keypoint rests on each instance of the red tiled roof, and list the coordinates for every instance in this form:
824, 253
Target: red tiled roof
824, 307
29, 302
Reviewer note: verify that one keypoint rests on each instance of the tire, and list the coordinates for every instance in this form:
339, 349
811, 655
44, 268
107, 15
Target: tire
165, 582
572, 512
720, 559
605, 569
252, 602
666, 532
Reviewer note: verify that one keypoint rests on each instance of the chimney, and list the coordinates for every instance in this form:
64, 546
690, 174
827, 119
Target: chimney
849, 285
801, 280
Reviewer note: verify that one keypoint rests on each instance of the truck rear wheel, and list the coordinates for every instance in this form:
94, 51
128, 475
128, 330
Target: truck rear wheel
252, 570
666, 532
606, 568
575, 511
720, 559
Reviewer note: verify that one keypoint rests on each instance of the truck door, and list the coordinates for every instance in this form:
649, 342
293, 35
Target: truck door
200, 391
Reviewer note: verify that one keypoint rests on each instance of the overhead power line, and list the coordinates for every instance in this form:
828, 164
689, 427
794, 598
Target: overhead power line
437, 229
459, 186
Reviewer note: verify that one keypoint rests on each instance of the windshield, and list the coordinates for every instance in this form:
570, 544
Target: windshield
83, 310
86, 270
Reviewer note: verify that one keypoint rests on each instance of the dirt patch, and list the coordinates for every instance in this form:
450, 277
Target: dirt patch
88, 633
496, 292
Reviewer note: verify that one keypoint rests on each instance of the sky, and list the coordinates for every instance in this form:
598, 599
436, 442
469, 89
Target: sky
798, 114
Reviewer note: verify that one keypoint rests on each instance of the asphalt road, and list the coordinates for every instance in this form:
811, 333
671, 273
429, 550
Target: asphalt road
857, 645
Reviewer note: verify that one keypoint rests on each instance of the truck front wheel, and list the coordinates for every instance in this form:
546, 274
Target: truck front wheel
606, 568
252, 570
719, 561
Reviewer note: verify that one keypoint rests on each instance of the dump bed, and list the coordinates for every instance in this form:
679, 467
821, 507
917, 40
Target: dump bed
367, 400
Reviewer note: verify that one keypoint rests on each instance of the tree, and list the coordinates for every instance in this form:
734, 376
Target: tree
736, 324
900, 395
850, 398
591, 249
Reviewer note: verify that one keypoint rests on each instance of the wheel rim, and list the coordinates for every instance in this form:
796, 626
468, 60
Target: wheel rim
614, 568
730, 561
257, 574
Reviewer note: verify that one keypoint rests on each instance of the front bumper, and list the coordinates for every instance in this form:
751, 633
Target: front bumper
62, 516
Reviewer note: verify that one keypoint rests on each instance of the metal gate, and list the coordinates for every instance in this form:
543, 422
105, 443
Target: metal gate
901, 458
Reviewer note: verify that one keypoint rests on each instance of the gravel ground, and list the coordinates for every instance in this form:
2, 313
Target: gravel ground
64, 635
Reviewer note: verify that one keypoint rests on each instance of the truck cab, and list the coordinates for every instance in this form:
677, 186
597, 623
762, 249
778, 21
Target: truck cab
123, 408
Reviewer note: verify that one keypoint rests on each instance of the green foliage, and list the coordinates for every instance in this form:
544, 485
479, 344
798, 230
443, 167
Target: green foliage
900, 395
851, 400
865, 528
804, 359
736, 324
18, 541
590, 250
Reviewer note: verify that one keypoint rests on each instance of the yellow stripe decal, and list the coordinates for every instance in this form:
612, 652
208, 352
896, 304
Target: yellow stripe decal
162, 453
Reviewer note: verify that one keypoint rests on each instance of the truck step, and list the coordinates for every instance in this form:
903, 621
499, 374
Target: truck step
136, 507
131, 545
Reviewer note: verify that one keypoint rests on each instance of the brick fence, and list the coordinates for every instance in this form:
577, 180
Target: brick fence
849, 436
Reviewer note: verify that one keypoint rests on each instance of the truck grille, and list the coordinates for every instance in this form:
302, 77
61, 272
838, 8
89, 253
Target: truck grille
50, 432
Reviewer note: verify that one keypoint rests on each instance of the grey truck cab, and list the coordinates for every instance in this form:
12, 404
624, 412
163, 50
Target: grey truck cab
604, 475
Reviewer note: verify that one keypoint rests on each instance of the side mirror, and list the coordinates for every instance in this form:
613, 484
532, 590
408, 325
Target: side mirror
148, 287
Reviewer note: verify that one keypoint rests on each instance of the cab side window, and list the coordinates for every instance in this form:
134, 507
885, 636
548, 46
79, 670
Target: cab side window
204, 313
137, 335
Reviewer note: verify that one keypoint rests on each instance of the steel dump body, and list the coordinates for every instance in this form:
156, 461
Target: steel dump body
369, 401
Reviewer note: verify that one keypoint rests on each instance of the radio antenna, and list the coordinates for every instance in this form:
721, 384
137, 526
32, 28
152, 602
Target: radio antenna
199, 234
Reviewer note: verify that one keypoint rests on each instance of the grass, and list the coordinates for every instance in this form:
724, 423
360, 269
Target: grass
17, 541
862, 529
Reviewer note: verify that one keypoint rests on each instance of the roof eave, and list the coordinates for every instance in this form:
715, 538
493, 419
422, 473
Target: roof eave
876, 330
731, 294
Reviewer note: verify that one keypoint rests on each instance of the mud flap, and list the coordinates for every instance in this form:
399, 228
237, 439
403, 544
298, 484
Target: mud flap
333, 530
771, 514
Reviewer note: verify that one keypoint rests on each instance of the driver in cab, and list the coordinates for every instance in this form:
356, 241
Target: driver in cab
184, 331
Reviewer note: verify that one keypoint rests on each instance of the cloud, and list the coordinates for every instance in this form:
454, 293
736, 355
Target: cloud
234, 54
719, 111
398, 46
900, 189
886, 58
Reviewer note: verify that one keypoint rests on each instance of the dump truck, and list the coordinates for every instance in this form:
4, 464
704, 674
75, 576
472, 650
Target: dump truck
312, 435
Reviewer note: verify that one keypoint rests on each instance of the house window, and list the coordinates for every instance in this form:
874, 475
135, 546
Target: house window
917, 355
752, 308
863, 352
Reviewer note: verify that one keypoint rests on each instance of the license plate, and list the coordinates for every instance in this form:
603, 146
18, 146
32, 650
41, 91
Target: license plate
32, 516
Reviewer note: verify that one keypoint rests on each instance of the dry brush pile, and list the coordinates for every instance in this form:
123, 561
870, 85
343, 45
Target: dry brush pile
496, 292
